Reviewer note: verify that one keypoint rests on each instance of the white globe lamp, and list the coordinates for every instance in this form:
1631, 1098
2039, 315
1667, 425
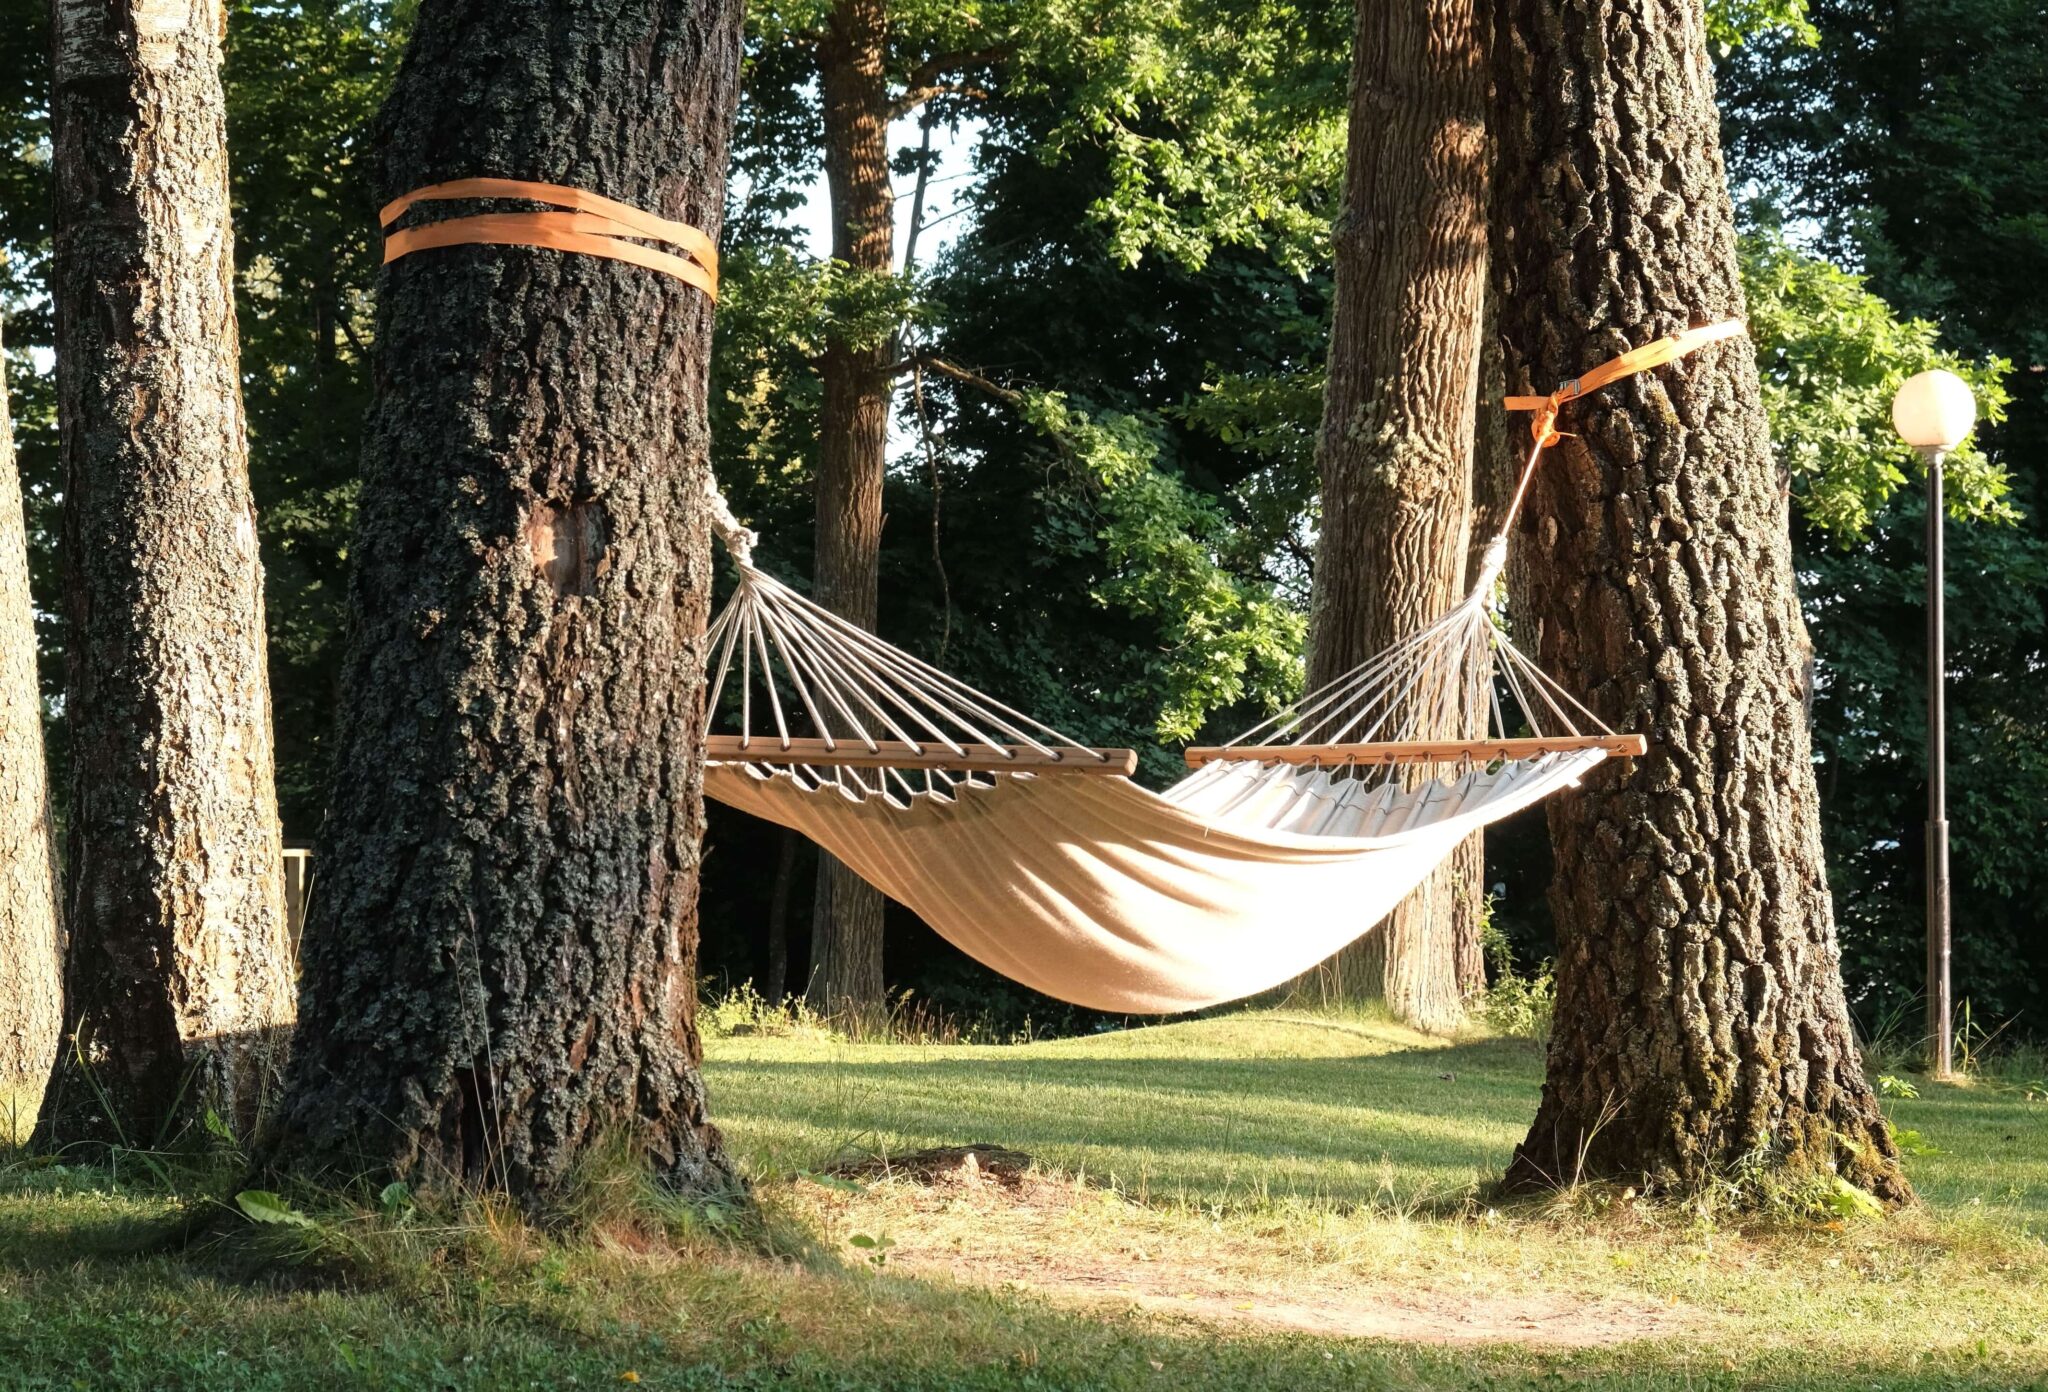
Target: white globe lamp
1934, 410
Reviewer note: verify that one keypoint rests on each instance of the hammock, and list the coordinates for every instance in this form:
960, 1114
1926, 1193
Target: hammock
1036, 855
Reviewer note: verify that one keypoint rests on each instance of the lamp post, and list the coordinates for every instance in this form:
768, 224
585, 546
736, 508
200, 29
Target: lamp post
1933, 412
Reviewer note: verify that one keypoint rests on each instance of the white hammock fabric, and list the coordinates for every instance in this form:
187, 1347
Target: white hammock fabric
1092, 888
1101, 893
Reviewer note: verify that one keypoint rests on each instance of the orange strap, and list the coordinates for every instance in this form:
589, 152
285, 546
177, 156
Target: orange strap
1650, 355
592, 225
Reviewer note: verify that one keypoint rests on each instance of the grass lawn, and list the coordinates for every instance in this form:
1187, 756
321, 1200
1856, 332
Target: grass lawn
1260, 1200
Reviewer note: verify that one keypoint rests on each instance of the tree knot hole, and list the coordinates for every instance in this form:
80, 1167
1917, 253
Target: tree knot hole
567, 543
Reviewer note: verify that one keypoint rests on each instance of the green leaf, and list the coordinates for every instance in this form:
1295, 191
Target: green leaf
262, 1206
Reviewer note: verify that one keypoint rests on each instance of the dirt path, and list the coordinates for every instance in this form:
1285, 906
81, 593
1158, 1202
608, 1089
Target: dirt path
1079, 1246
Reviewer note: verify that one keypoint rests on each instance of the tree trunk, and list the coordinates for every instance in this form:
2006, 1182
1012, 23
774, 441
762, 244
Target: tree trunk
31, 947
846, 930
1701, 1028
1493, 481
1466, 870
500, 965
1396, 446
777, 984
179, 990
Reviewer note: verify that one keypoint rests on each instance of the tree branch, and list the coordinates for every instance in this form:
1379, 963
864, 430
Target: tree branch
918, 96
972, 379
924, 81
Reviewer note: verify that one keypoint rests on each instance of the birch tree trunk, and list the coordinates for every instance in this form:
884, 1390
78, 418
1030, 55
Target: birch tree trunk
31, 960
178, 982
846, 930
1395, 451
1701, 1028
500, 966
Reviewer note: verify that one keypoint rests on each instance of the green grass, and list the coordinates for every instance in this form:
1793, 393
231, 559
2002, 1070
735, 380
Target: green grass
1259, 1107
1192, 1180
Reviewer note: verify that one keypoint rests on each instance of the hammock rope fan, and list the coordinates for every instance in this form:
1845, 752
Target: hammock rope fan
1036, 854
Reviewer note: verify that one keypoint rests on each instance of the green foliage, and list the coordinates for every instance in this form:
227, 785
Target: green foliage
874, 1250
1832, 355
1731, 23
25, 199
1222, 124
742, 1011
1224, 640
1517, 1004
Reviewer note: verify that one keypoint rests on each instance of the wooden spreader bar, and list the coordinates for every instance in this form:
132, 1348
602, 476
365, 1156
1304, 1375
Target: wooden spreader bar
979, 758
1417, 751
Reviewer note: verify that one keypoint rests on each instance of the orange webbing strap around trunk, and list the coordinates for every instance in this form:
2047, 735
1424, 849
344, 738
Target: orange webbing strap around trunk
590, 224
1650, 355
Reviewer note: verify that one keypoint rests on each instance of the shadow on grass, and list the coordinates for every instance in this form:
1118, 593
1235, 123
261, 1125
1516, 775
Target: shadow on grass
53, 1213
1340, 1129
1383, 1126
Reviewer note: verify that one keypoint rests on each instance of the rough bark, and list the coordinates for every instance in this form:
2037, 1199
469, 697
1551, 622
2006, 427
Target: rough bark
500, 965
178, 984
1701, 1028
31, 944
846, 931
1395, 451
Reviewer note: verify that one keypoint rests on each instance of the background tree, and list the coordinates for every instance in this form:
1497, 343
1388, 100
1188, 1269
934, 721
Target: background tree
304, 80
866, 64
1701, 1024
31, 991
501, 962
178, 982
1396, 448
854, 93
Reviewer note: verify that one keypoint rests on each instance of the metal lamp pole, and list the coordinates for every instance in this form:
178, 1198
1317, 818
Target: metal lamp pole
1933, 412
1940, 1008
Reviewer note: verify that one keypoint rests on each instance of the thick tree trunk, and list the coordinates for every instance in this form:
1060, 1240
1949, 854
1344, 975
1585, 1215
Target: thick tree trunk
846, 929
1396, 445
179, 991
1700, 1018
31, 957
500, 967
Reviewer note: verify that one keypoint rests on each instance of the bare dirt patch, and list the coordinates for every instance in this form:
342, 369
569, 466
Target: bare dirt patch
1083, 1246
954, 1164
